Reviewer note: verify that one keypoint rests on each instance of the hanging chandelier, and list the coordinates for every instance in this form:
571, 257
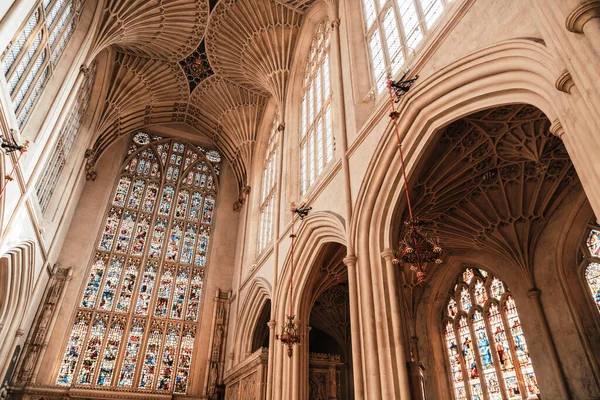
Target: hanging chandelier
418, 246
289, 333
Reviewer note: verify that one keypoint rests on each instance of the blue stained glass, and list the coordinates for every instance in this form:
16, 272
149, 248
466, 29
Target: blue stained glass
174, 242
150, 198
122, 190
158, 237
141, 234
179, 294
150, 362
125, 231
74, 346
182, 202
195, 206
137, 191
127, 286
202, 248
92, 351
92, 287
146, 289
110, 284
465, 299
165, 378
209, 207
193, 303
110, 230
130, 359
480, 292
485, 356
111, 352
189, 240
592, 277
166, 200
185, 362
165, 287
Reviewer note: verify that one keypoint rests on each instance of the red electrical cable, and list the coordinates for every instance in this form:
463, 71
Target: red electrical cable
400, 149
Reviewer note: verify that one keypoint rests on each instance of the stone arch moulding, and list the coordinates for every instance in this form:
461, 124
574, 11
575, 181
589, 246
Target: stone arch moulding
259, 293
16, 289
315, 231
313, 234
514, 71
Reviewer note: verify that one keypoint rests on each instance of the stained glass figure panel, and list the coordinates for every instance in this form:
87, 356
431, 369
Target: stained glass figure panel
130, 358
487, 352
592, 277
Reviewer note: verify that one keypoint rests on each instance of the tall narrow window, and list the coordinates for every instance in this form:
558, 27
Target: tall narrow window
592, 260
269, 184
316, 134
29, 60
135, 323
394, 28
485, 345
44, 188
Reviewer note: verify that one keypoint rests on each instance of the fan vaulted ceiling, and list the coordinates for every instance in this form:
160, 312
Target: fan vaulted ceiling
211, 64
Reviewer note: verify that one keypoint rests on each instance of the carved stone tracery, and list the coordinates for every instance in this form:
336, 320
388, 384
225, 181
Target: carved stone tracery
492, 180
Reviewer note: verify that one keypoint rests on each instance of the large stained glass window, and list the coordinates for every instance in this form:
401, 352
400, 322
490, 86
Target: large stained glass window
316, 134
393, 30
267, 194
592, 260
30, 59
487, 352
135, 324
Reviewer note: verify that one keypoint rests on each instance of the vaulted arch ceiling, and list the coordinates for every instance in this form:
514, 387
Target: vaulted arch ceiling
252, 43
211, 64
168, 29
143, 91
491, 181
232, 114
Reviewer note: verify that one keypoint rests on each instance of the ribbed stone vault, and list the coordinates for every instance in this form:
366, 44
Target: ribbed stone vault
232, 54
491, 181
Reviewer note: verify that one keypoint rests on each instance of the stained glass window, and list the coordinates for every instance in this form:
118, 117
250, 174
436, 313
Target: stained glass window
394, 28
67, 136
31, 56
316, 134
269, 184
135, 323
487, 352
592, 268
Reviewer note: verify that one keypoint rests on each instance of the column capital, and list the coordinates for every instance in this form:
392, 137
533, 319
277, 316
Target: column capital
557, 129
350, 261
534, 293
335, 23
582, 14
271, 324
387, 254
564, 83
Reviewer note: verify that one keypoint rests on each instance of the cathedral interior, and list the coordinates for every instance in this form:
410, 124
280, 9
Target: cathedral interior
300, 199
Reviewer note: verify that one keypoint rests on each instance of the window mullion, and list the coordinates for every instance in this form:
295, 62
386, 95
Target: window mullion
32, 37
492, 341
513, 352
476, 354
463, 364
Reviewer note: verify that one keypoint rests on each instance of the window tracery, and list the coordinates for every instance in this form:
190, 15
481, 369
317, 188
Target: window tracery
485, 344
30, 59
393, 30
269, 184
316, 137
145, 282
592, 263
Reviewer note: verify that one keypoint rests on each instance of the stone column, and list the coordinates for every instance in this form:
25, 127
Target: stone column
585, 19
534, 295
271, 324
357, 361
396, 316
